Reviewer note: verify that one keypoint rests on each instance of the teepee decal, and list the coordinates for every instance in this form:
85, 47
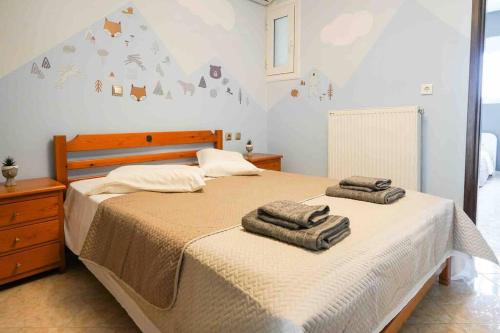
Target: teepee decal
35, 70
45, 63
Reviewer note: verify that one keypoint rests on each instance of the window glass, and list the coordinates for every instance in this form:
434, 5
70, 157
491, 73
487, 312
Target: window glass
281, 41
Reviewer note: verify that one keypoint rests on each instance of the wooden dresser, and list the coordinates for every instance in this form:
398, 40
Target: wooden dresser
265, 161
31, 228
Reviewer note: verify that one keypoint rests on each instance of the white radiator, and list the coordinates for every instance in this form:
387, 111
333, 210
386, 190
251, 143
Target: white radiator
376, 143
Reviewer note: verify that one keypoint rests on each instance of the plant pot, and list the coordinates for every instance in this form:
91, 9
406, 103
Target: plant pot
249, 149
10, 173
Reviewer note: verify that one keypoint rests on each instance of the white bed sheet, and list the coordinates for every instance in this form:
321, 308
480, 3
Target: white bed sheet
214, 283
79, 210
485, 167
489, 145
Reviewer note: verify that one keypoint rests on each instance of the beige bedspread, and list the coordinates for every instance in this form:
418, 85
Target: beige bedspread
141, 237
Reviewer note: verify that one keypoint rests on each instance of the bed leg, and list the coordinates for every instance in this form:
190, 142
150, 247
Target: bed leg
445, 276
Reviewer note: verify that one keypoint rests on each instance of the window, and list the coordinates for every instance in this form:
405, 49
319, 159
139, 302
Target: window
491, 71
282, 48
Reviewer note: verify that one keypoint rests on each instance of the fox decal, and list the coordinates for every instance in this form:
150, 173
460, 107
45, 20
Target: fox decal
112, 28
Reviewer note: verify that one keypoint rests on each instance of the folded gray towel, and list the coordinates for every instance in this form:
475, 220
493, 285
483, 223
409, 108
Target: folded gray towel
320, 237
365, 184
380, 197
293, 215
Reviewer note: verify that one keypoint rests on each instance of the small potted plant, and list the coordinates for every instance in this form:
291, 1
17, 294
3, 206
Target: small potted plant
9, 171
249, 147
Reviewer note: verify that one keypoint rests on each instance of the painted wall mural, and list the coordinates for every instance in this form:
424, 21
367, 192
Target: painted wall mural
345, 29
369, 54
78, 86
315, 87
215, 12
134, 58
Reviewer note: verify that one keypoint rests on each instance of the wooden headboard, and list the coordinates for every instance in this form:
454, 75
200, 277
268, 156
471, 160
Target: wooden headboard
96, 142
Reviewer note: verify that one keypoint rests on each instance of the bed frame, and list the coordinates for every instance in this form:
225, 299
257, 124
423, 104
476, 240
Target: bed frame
97, 142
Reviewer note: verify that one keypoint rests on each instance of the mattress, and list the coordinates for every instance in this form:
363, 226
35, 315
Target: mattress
228, 283
485, 169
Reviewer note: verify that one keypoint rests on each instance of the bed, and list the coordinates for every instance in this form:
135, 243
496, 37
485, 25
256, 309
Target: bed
231, 280
487, 157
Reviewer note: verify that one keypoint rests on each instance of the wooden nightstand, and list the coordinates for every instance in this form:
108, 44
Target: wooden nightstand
31, 228
265, 161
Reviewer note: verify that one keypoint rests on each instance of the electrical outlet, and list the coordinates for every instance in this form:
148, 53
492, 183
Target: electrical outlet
229, 136
237, 136
426, 89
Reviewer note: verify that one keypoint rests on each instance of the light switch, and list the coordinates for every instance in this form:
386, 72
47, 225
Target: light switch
426, 89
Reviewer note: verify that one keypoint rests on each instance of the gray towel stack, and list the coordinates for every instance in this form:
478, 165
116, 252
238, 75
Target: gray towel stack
293, 215
365, 184
307, 226
375, 190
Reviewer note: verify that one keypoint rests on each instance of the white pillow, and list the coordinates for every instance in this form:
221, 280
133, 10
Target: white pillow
220, 163
154, 178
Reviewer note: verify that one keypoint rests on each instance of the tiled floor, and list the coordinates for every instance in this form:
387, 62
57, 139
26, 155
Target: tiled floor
488, 212
461, 307
468, 308
71, 302
76, 302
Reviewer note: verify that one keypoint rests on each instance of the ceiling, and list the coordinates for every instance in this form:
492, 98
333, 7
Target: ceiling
492, 5
263, 2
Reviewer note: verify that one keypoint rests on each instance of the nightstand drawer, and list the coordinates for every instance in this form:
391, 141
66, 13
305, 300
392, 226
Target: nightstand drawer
21, 237
22, 262
29, 210
269, 165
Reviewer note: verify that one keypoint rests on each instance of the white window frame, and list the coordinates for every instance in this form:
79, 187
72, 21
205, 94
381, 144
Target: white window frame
291, 70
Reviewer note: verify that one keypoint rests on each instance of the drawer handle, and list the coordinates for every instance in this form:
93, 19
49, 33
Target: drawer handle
18, 265
15, 215
17, 239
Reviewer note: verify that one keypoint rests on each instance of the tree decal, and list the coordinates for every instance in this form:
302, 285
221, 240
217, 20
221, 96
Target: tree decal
155, 48
330, 91
158, 89
159, 70
98, 86
203, 83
